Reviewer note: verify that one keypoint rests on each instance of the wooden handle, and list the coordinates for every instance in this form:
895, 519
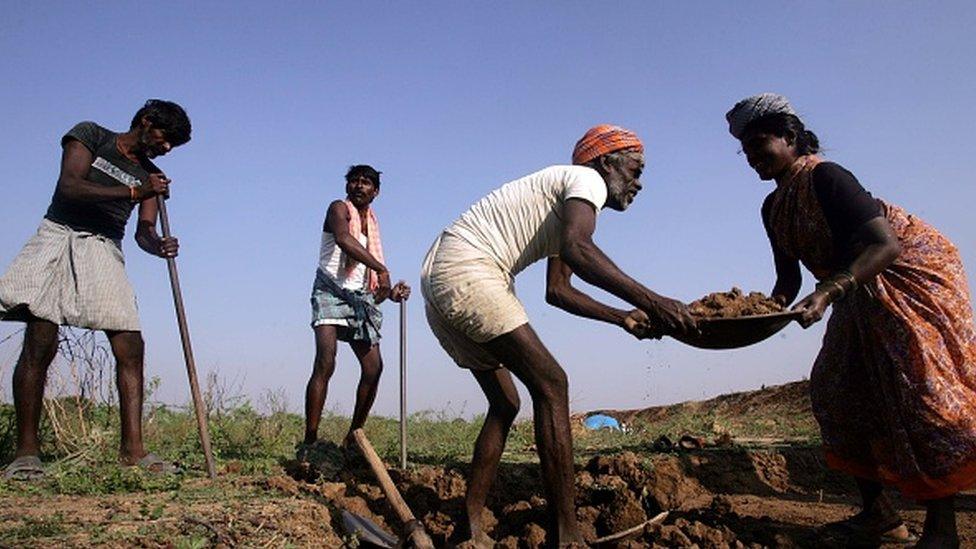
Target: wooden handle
191, 368
386, 483
420, 538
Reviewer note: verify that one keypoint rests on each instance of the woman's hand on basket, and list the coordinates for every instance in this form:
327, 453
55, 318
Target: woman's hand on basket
813, 307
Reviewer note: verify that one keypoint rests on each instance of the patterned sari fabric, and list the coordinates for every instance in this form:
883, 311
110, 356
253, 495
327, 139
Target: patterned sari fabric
894, 385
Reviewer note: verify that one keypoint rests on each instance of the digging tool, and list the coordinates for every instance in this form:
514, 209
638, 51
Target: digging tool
656, 519
367, 531
403, 384
191, 368
413, 530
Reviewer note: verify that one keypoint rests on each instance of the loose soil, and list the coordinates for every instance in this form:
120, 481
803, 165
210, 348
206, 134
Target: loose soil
716, 497
724, 492
733, 303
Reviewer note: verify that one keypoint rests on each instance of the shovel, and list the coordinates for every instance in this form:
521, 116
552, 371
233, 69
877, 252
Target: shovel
367, 531
191, 368
413, 529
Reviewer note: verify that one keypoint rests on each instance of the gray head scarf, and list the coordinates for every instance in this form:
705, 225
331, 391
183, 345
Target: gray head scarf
754, 107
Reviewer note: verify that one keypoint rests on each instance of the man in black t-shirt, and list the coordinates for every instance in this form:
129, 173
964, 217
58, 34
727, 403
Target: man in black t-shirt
71, 273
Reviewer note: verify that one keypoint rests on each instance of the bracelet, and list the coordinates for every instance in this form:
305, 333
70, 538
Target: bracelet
849, 277
827, 286
132, 195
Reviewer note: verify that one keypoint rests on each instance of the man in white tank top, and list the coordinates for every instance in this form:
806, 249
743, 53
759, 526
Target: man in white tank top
467, 283
350, 283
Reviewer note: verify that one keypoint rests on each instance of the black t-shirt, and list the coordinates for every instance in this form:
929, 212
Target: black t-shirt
109, 167
845, 203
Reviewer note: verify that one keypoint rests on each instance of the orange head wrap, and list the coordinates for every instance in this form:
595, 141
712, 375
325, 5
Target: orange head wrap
603, 139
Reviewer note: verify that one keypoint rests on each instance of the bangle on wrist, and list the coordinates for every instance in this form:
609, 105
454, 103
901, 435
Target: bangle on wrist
132, 195
848, 277
843, 281
833, 289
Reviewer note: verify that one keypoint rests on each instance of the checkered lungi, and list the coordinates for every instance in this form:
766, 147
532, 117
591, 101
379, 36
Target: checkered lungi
71, 278
353, 312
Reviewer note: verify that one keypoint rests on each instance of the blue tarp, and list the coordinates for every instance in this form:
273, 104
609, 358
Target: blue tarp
601, 421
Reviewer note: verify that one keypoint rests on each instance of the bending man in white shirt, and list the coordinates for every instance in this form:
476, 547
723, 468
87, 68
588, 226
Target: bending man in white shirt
467, 283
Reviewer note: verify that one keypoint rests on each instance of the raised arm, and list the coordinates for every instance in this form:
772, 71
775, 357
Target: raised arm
588, 262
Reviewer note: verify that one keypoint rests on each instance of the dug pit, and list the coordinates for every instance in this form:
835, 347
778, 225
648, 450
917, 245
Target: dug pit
710, 495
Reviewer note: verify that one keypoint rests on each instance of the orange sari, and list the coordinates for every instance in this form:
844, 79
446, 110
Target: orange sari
894, 385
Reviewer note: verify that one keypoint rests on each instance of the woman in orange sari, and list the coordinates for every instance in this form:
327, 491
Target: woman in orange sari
894, 385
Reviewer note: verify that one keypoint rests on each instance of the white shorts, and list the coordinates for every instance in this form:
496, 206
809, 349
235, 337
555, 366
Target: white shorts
469, 300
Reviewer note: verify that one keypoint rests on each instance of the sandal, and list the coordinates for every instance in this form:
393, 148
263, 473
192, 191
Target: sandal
25, 468
151, 463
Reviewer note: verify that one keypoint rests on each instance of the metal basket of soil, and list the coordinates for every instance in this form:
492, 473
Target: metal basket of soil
727, 320
730, 333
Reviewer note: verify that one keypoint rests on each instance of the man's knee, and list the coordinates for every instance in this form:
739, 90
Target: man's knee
552, 382
506, 409
40, 343
372, 368
129, 349
324, 364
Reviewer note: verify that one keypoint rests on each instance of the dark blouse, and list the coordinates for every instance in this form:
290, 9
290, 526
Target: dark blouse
846, 205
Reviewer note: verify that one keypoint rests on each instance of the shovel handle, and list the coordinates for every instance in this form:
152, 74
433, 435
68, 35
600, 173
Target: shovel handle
191, 368
403, 384
386, 483
419, 536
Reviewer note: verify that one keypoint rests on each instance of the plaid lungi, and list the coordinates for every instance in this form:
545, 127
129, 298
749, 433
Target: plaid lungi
353, 312
70, 278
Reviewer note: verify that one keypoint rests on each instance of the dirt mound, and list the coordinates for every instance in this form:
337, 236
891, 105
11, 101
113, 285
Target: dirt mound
614, 493
790, 401
733, 304
324, 459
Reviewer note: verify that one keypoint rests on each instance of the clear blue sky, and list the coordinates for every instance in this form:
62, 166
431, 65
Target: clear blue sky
450, 100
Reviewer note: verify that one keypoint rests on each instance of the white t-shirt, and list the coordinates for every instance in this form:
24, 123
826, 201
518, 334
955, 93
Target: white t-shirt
521, 222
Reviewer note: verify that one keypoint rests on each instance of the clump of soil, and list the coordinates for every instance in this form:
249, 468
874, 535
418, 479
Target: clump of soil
614, 493
321, 460
734, 304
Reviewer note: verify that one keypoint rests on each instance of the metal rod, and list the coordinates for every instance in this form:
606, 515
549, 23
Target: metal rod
191, 369
403, 384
